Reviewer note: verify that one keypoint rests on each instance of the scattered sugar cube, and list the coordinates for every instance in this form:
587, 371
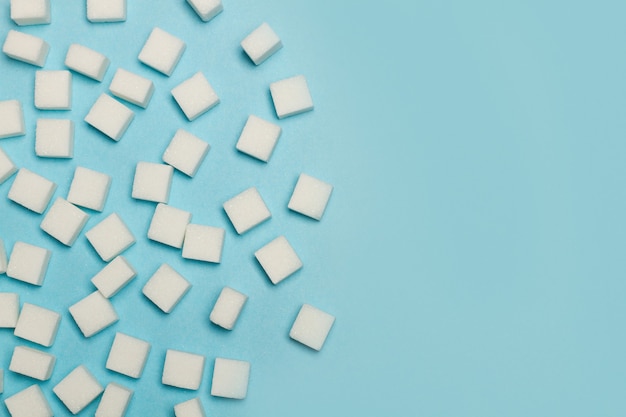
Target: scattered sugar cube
78, 389
64, 221
7, 167
168, 225
311, 327
310, 196
166, 288
32, 362
11, 119
246, 210
53, 90
26, 48
190, 408
28, 263
100, 11
261, 43
230, 378
114, 276
183, 369
195, 96
110, 117
132, 87
29, 402
54, 138
114, 401
37, 324
278, 259
186, 152
206, 9
9, 309
93, 314
152, 182
203, 243
128, 355
258, 138
89, 189
227, 308
30, 12
291, 96
86, 61
31, 190
162, 51
110, 237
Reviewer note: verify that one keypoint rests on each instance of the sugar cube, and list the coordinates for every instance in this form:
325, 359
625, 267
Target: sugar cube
37, 324
78, 389
262, 43
195, 96
132, 87
152, 182
162, 51
11, 119
114, 276
258, 138
28, 263
110, 237
183, 369
93, 314
227, 308
166, 288
128, 355
32, 362
168, 225
291, 96
64, 221
230, 378
278, 259
310, 196
3, 258
203, 243
311, 327
206, 9
54, 138
110, 117
31, 190
189, 408
26, 48
185, 152
115, 401
89, 188
99, 11
9, 309
53, 90
246, 210
29, 402
86, 61
7, 167
30, 12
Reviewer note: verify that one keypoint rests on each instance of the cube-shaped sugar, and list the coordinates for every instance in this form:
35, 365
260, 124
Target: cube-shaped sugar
64, 221
258, 138
53, 90
28, 263
166, 288
183, 369
230, 378
11, 119
99, 11
206, 9
186, 152
9, 309
278, 259
132, 87
152, 182
246, 210
128, 355
291, 96
227, 308
86, 61
54, 138
310, 196
168, 225
32, 362
3, 258
89, 188
115, 401
195, 96
261, 43
78, 389
203, 243
93, 314
7, 167
114, 276
26, 48
37, 324
29, 402
189, 408
162, 51
31, 190
110, 237
311, 327
30, 12
110, 117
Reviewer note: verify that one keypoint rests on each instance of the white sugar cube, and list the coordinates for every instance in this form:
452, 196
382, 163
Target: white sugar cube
93, 314
89, 188
114, 276
258, 138
64, 221
261, 43
110, 117
11, 119
162, 51
230, 378
168, 225
291, 96
278, 259
132, 87
7, 167
189, 408
30, 12
206, 9
310, 196
227, 308
246, 210
99, 11
311, 327
53, 90
166, 288
185, 152
128, 355
26, 48
86, 61
54, 138
195, 96
78, 389
31, 190
9, 309
115, 401
183, 369
203, 243
152, 182
32, 362
29, 402
28, 263
37, 324
110, 237
3, 258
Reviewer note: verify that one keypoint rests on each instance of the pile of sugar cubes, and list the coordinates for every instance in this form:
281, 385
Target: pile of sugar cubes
65, 218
